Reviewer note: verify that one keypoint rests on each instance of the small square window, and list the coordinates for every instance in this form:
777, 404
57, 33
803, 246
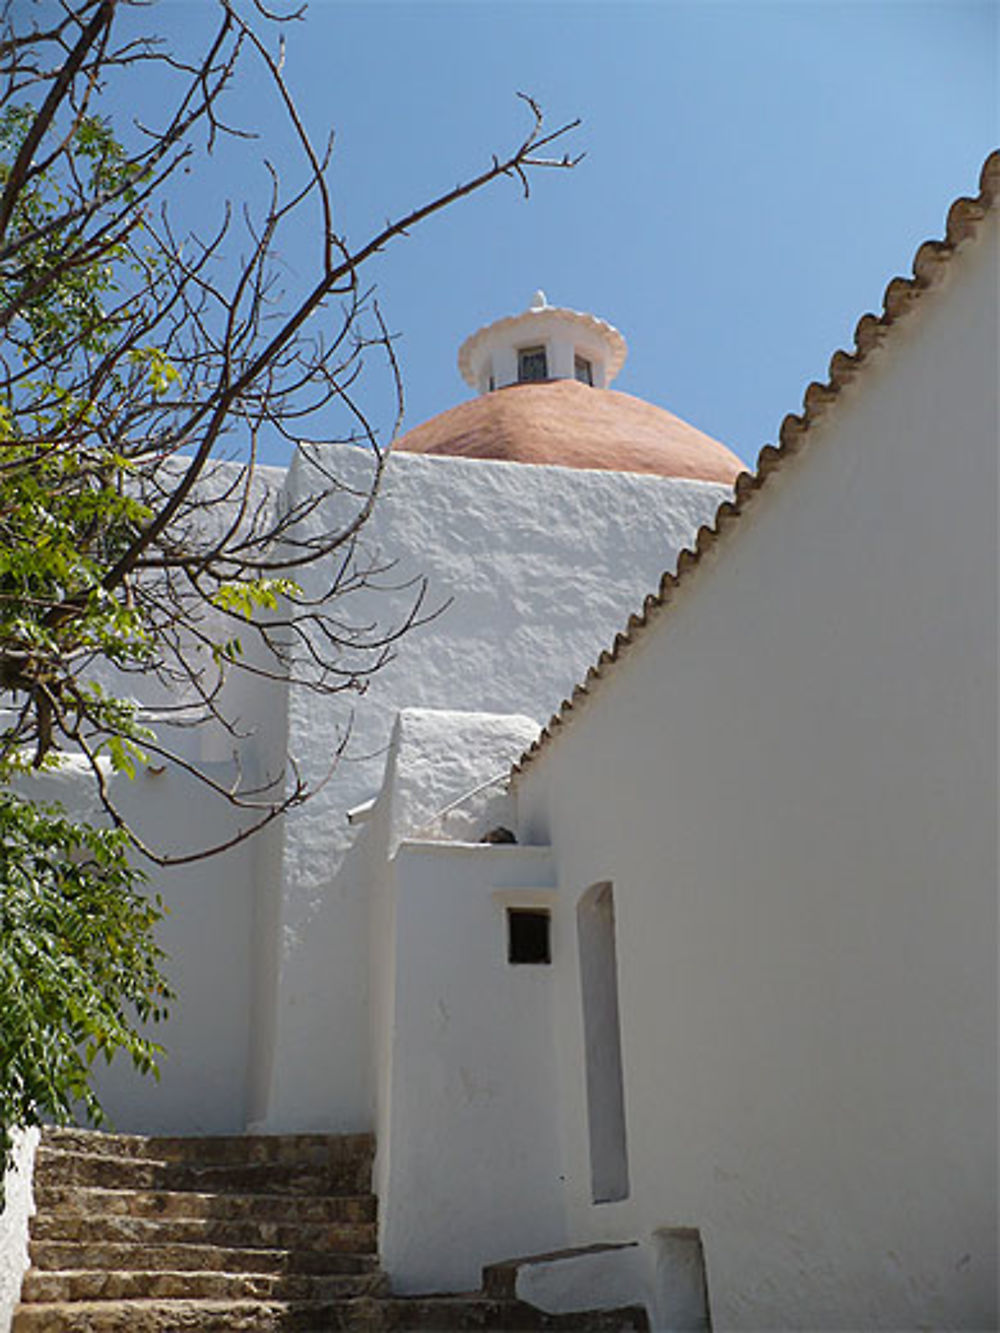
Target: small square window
584, 370
532, 364
529, 935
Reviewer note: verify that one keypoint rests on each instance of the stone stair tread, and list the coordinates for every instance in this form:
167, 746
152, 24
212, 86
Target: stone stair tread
53, 1154
345, 1238
160, 1255
55, 1167
198, 1316
212, 1147
71, 1285
97, 1199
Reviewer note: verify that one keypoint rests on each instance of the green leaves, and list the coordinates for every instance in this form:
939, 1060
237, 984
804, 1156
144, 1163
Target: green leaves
125, 754
161, 373
250, 595
69, 310
79, 966
63, 519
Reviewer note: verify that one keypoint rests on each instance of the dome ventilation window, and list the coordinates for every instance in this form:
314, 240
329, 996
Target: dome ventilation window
532, 365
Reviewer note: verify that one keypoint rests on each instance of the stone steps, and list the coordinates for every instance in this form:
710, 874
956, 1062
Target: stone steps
224, 1232
182, 1316
54, 1255
238, 1233
193, 1284
319, 1149
54, 1166
234, 1235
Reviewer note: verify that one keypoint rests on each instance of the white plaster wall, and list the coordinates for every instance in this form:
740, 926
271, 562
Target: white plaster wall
18, 1209
208, 934
791, 782
531, 567
447, 774
70, 786
435, 759
471, 1169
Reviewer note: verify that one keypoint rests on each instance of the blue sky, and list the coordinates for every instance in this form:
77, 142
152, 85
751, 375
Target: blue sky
754, 175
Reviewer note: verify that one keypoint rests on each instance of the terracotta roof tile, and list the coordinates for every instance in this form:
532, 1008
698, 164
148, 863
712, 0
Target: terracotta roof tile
964, 218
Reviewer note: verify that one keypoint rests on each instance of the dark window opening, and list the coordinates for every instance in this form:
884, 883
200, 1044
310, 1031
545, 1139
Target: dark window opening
584, 370
532, 364
528, 936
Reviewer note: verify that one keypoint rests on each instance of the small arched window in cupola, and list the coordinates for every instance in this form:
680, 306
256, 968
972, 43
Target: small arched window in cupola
584, 370
532, 365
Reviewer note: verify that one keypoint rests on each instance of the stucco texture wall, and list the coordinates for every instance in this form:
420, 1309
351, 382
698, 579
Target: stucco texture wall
528, 568
790, 779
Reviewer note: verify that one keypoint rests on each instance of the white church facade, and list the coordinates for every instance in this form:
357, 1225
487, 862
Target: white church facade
705, 965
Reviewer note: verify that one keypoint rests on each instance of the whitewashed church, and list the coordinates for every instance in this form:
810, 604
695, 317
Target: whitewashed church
700, 963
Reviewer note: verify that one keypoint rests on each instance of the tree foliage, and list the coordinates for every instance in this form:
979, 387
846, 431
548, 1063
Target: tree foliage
79, 965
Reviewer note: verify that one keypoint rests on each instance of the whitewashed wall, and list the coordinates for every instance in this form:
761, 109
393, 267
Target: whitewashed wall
790, 781
209, 936
473, 1170
268, 943
15, 1217
532, 567
467, 1167
217, 936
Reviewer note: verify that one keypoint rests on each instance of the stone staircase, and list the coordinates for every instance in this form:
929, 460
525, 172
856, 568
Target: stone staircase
160, 1235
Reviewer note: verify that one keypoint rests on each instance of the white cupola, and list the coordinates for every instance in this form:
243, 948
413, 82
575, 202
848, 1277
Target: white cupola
545, 342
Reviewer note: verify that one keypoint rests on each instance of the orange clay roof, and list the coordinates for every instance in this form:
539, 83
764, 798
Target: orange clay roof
568, 424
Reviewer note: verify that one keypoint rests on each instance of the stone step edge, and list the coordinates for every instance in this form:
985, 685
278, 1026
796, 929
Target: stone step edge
274, 1289
302, 1182
44, 1190
307, 1137
60, 1274
275, 1252
167, 1305
55, 1157
223, 1149
344, 1238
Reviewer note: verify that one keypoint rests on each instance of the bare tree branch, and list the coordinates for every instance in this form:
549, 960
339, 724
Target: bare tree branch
142, 369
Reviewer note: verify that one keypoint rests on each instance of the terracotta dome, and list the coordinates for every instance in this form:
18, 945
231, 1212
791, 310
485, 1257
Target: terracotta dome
568, 424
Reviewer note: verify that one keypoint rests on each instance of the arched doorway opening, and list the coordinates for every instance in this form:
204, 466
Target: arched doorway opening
595, 919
